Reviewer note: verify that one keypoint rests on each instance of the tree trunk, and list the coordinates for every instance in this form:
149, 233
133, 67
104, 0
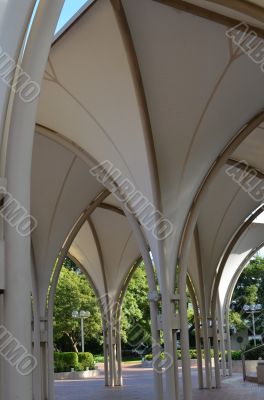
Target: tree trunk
73, 342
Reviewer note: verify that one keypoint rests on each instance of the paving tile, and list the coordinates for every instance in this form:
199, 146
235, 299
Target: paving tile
138, 385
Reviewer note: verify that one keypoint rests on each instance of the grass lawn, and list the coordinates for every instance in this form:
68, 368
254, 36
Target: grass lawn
100, 359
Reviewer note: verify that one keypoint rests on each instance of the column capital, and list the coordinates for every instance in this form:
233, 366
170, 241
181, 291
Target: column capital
154, 296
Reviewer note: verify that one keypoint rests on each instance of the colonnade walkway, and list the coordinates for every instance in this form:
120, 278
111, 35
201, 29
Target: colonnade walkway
138, 385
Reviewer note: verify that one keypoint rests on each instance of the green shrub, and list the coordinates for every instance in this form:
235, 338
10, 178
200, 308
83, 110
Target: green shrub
236, 355
193, 354
148, 357
63, 362
99, 359
86, 360
211, 353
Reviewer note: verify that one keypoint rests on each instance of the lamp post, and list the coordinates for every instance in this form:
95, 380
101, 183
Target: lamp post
252, 309
81, 315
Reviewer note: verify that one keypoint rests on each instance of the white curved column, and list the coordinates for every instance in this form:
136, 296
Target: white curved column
207, 353
17, 299
216, 352
197, 334
119, 357
221, 336
156, 350
110, 344
48, 307
13, 28
37, 373
119, 376
153, 307
203, 315
185, 347
106, 367
228, 343
199, 350
1, 364
216, 356
228, 336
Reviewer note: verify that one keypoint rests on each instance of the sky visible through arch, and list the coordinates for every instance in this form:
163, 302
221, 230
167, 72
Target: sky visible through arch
70, 8
260, 220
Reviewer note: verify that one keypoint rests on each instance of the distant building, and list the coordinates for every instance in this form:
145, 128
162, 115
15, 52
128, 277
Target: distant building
239, 339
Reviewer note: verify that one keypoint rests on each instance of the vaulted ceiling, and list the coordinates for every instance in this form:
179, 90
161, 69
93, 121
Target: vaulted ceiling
159, 90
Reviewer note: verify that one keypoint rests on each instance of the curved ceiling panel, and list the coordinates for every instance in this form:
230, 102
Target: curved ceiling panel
62, 188
252, 238
118, 247
84, 249
224, 210
200, 92
89, 94
251, 150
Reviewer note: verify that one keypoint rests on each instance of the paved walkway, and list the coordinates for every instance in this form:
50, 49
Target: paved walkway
138, 385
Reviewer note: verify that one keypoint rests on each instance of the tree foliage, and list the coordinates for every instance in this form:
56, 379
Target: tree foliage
135, 312
249, 290
236, 320
74, 293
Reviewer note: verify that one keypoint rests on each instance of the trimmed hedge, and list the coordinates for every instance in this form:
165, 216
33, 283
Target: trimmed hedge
86, 360
148, 357
236, 355
64, 362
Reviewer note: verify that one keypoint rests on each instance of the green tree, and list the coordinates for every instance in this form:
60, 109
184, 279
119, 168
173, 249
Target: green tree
249, 290
251, 294
236, 320
135, 311
74, 293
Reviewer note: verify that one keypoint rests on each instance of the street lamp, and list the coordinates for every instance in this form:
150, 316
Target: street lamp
252, 309
81, 315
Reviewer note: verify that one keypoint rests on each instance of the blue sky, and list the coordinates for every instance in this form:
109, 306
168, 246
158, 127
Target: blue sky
69, 9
